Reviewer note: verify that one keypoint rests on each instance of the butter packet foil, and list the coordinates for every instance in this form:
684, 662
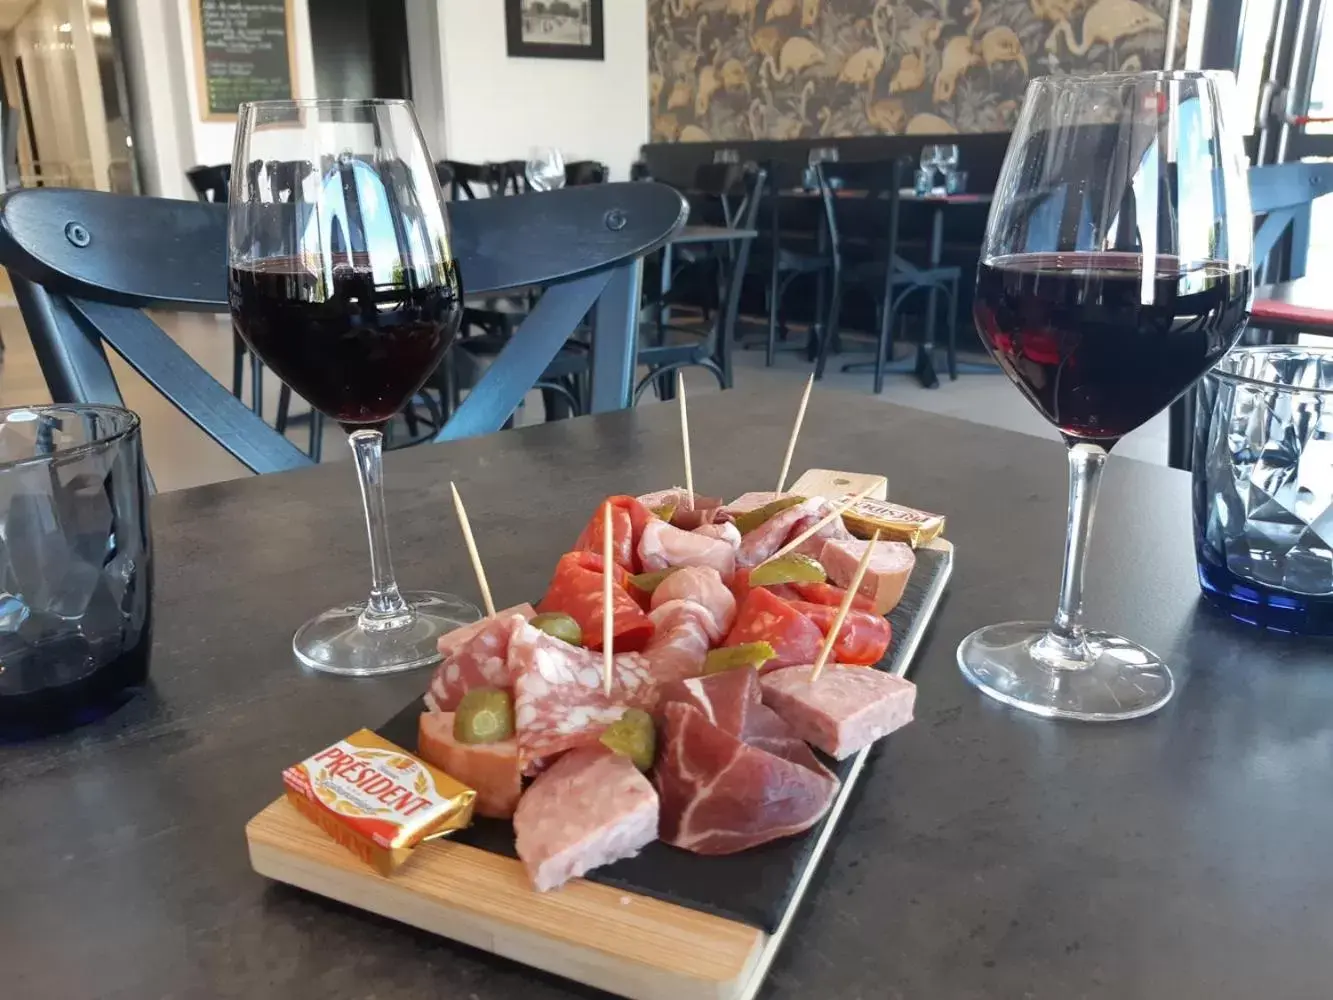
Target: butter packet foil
893, 521
376, 799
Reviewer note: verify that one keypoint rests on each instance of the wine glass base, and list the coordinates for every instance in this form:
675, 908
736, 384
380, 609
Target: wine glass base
1121, 681
335, 642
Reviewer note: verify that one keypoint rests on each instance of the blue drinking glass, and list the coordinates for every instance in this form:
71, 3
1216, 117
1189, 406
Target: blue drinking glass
1263, 487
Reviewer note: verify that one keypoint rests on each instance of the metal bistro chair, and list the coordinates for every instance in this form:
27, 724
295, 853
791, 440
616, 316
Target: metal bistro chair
1281, 194
84, 263
210, 183
745, 185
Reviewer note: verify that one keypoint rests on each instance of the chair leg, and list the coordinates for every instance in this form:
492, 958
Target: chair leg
952, 333
883, 342
256, 385
774, 304
316, 448
237, 364
284, 409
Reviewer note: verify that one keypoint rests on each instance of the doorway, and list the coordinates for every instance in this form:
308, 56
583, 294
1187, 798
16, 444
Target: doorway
360, 49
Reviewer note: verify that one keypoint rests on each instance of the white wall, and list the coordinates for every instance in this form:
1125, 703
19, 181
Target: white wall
497, 108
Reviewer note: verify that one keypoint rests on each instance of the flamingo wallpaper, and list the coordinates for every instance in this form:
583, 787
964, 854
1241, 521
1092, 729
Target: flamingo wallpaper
726, 70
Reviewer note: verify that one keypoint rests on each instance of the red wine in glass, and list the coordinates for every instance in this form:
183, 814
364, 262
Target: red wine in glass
356, 350
1100, 342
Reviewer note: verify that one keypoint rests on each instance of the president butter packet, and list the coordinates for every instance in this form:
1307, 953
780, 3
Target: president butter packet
894, 522
376, 799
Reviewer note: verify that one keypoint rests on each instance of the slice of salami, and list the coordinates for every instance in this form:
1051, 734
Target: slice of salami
740, 586
828, 593
559, 701
765, 617
480, 661
863, 639
628, 518
576, 590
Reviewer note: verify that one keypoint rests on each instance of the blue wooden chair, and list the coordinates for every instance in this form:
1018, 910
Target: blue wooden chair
1281, 196
85, 263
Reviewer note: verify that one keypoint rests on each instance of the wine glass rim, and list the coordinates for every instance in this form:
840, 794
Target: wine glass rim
127, 422
1294, 350
1147, 74
327, 102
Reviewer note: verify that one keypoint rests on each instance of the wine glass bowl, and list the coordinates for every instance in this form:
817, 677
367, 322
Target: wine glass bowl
342, 280
1115, 272
545, 169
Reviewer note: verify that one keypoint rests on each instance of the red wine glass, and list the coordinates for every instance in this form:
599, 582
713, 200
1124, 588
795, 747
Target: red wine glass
1115, 272
342, 281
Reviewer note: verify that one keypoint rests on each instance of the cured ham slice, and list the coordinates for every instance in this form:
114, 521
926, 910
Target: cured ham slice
683, 636
689, 511
590, 808
490, 768
628, 518
451, 641
863, 638
765, 617
720, 795
834, 530
482, 660
702, 585
724, 530
845, 710
663, 545
576, 590
728, 699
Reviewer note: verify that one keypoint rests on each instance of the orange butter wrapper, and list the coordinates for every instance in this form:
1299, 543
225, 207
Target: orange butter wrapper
376, 799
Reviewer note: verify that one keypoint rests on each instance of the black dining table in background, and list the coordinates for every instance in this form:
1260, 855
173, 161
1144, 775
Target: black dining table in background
986, 854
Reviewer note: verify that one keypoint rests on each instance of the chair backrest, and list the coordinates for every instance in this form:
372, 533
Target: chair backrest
741, 187
871, 201
210, 183
85, 263
1282, 194
511, 177
466, 178
586, 172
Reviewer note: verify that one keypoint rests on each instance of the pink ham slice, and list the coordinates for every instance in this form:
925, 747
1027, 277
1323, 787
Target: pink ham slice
702, 585
559, 699
720, 795
690, 512
590, 808
765, 540
845, 710
663, 545
451, 641
480, 660
724, 530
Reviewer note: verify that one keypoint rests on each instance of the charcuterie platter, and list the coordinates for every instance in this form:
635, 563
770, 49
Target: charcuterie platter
631, 783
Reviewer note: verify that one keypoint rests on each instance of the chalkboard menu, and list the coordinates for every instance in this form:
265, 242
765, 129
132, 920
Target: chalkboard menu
243, 51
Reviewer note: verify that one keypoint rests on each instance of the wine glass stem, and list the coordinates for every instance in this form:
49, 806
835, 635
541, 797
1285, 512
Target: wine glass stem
386, 608
1065, 644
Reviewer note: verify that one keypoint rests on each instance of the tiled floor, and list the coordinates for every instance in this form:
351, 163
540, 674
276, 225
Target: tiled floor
181, 456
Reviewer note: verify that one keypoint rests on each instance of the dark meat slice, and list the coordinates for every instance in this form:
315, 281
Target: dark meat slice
689, 511
720, 795
592, 807
726, 699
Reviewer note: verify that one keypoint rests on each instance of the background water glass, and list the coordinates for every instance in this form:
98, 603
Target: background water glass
1263, 487
76, 581
955, 182
925, 182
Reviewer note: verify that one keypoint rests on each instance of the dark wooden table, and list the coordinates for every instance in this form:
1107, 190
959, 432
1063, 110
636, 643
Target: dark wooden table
987, 856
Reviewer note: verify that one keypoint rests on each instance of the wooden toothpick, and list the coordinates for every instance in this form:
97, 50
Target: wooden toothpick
808, 533
685, 435
843, 608
608, 567
795, 432
472, 551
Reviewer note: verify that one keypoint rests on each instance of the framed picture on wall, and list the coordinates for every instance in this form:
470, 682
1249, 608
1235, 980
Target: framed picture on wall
555, 29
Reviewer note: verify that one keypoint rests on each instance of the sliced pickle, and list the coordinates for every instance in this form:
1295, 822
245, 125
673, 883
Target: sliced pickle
794, 567
560, 625
633, 736
666, 512
648, 582
485, 715
749, 520
747, 654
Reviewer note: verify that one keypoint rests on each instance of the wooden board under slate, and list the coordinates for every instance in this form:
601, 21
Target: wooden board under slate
667, 925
